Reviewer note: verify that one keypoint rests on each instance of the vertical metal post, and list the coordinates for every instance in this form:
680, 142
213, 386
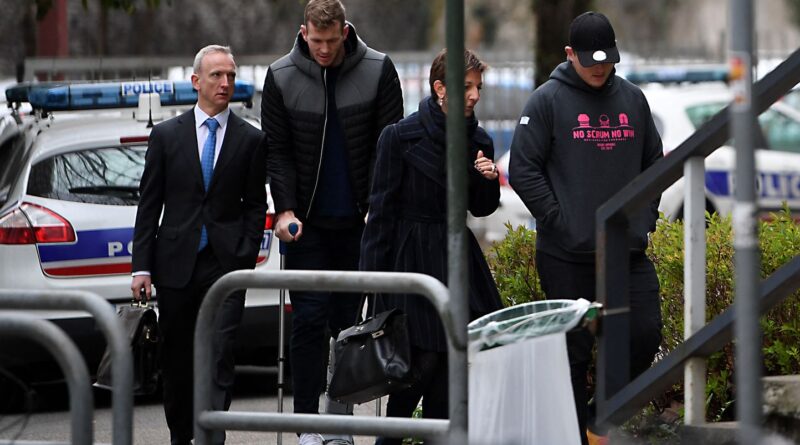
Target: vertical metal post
281, 339
613, 273
293, 228
745, 241
457, 276
694, 277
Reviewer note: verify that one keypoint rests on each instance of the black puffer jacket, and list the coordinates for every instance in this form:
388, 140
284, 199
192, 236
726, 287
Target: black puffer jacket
293, 115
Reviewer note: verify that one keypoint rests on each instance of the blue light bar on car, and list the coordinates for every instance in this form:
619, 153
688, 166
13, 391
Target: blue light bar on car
92, 96
19, 93
678, 75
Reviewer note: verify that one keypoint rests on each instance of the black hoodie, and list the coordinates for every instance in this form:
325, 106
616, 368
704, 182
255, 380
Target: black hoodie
576, 146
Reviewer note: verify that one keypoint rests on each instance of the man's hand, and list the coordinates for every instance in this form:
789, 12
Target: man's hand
282, 226
139, 283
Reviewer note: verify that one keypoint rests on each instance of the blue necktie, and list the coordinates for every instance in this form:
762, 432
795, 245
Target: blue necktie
207, 165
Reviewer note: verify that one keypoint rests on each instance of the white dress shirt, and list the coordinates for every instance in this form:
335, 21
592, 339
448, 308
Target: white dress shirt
200, 118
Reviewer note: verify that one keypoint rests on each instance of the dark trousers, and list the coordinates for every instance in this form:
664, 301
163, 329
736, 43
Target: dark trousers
177, 309
567, 280
430, 369
315, 313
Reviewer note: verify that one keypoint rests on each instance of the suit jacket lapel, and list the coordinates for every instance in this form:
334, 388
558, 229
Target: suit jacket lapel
188, 137
230, 145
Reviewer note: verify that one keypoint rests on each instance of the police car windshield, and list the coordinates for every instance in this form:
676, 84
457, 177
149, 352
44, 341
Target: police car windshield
99, 176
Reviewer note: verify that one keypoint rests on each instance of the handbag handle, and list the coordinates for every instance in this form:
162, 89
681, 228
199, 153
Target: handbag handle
364, 297
140, 303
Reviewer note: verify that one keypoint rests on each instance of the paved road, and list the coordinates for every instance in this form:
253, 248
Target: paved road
253, 393
149, 424
150, 427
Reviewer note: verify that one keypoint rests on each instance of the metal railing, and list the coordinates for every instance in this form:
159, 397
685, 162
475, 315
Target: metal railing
118, 343
59, 345
206, 419
617, 397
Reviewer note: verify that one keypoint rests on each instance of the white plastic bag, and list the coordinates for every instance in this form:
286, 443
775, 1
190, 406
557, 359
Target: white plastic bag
521, 394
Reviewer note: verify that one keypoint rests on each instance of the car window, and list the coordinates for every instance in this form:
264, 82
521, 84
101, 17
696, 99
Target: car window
6, 153
700, 114
5, 162
782, 132
99, 176
792, 98
779, 131
12, 158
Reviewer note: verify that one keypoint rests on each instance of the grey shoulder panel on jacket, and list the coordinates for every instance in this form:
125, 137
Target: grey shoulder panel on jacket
283, 62
374, 55
301, 92
360, 84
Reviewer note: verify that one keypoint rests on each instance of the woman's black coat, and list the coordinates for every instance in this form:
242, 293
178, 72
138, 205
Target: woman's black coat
407, 226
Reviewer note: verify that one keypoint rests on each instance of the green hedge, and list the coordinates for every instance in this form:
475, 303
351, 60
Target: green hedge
512, 262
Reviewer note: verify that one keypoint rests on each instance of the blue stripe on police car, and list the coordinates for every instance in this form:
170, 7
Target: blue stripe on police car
105, 243
769, 185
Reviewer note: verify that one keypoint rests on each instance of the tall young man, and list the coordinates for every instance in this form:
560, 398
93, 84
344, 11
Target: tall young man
583, 135
323, 107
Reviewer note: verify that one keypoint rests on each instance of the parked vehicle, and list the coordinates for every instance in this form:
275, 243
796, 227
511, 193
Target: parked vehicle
69, 188
679, 110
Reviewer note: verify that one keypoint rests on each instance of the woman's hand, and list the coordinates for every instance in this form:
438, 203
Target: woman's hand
485, 166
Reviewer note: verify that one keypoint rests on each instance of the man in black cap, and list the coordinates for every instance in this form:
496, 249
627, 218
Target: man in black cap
583, 135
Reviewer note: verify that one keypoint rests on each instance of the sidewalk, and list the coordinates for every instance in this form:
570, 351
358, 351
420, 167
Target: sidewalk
151, 428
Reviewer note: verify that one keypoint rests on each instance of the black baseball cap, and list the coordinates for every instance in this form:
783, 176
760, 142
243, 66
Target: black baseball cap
592, 38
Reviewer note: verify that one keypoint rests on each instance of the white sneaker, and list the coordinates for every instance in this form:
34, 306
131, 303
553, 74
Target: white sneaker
310, 439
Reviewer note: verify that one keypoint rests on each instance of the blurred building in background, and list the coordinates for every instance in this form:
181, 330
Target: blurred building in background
679, 29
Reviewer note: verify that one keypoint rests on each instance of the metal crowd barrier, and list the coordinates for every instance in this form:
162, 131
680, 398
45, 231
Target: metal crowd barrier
121, 357
206, 420
69, 359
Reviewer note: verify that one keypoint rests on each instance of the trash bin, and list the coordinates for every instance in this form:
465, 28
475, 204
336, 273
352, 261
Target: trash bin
520, 390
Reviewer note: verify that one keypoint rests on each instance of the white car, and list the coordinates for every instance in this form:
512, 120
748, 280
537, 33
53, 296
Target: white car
68, 198
680, 110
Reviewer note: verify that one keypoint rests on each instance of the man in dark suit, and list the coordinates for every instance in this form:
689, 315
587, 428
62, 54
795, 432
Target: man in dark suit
205, 169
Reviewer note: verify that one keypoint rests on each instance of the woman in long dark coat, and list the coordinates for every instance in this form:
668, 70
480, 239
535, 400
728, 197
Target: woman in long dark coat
407, 227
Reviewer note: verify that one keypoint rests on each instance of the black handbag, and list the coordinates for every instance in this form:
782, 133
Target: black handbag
141, 327
373, 358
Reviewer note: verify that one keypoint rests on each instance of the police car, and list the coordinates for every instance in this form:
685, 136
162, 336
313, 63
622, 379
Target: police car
680, 109
69, 180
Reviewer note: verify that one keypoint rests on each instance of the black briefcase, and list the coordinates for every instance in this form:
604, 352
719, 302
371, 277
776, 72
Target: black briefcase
140, 324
